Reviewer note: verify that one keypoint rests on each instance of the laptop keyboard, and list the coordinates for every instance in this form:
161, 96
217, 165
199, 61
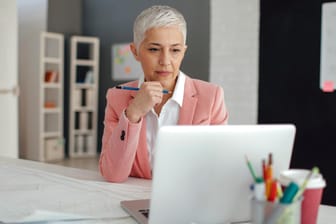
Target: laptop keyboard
145, 212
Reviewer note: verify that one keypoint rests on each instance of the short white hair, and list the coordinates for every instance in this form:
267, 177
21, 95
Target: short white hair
157, 16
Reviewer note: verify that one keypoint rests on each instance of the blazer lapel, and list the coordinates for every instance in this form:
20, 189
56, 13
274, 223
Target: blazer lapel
189, 103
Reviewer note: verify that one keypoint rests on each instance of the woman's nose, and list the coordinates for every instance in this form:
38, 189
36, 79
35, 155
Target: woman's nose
164, 58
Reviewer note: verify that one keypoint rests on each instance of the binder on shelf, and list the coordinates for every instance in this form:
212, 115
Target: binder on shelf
77, 120
83, 98
90, 121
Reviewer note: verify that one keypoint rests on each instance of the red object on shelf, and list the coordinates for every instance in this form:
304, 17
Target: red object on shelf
49, 104
51, 76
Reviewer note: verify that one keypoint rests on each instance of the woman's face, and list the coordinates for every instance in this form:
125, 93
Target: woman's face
161, 54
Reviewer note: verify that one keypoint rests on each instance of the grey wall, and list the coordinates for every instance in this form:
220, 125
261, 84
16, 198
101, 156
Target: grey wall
65, 17
112, 22
234, 56
32, 17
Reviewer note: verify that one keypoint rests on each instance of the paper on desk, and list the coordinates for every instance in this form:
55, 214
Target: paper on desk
26, 191
44, 217
40, 215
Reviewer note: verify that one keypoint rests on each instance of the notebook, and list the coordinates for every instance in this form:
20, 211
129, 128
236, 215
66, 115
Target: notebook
200, 173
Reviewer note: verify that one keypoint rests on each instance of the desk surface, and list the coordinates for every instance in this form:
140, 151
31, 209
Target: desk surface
29, 190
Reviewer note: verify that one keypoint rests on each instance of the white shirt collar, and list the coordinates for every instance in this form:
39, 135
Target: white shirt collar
179, 89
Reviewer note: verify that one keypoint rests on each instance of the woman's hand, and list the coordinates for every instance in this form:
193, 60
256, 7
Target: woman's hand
149, 95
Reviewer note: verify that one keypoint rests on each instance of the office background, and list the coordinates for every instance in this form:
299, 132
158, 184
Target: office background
265, 54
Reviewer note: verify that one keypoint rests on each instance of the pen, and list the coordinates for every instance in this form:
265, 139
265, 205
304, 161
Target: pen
269, 167
136, 89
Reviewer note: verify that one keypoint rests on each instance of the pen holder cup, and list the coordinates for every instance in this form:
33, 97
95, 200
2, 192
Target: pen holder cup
265, 212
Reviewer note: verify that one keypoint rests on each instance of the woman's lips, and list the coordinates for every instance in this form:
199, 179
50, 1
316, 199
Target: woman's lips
163, 73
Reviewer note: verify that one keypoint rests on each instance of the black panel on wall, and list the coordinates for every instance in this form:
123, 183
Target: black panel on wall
289, 90
112, 21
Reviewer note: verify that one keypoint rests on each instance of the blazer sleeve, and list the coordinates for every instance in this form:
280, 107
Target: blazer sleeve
120, 140
219, 113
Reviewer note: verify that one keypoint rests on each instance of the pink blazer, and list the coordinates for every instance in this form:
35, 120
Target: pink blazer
124, 147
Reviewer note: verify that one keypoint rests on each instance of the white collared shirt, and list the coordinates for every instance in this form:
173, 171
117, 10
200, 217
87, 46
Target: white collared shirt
169, 115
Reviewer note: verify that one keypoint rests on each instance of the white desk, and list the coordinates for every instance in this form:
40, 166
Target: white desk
27, 186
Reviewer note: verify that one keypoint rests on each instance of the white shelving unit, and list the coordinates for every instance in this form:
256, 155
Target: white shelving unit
45, 106
84, 96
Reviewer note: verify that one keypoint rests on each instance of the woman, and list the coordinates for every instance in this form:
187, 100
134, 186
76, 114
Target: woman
166, 96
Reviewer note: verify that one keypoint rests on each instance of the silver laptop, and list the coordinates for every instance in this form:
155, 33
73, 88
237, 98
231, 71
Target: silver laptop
200, 173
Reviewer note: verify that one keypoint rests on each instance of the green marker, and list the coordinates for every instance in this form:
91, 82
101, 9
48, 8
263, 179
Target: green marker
257, 180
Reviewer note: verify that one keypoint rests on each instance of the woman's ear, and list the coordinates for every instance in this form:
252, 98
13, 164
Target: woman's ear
134, 51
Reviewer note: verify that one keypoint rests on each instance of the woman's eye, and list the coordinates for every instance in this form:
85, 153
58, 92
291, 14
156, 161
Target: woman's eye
176, 50
153, 49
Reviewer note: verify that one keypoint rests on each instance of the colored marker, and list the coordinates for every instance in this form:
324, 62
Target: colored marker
289, 193
136, 89
273, 191
251, 170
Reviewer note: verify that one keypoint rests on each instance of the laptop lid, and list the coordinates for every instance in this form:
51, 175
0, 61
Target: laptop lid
200, 173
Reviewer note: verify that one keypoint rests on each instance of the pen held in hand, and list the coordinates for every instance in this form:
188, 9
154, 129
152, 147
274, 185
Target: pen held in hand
136, 89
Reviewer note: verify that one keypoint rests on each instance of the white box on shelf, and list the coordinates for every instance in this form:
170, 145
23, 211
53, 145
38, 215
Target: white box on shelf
54, 149
77, 97
90, 101
79, 143
90, 143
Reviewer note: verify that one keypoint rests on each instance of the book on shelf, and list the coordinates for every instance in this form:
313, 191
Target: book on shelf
89, 77
51, 76
84, 76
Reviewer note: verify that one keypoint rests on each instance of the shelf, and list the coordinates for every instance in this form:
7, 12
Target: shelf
83, 132
84, 96
52, 110
52, 134
51, 97
84, 62
52, 60
84, 86
43, 89
52, 85
84, 109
